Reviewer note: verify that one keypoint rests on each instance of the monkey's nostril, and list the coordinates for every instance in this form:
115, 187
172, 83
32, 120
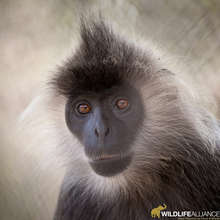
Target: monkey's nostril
96, 132
107, 131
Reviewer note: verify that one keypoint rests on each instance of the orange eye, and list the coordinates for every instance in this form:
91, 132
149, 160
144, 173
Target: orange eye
122, 104
84, 108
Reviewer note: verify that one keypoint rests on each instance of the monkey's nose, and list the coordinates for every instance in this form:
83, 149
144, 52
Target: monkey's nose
101, 132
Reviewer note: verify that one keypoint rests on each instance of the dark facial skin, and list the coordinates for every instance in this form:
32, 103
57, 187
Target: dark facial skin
106, 123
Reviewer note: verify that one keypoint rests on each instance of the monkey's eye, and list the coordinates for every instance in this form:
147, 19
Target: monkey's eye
122, 104
84, 108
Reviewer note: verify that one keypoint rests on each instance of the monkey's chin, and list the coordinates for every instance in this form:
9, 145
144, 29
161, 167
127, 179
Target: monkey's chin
110, 167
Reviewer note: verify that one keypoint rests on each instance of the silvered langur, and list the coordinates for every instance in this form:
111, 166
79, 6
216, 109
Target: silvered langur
136, 137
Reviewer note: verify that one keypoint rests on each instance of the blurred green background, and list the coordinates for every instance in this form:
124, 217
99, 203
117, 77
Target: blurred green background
36, 35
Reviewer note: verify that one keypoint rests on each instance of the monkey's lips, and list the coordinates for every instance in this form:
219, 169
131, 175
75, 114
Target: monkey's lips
110, 164
106, 157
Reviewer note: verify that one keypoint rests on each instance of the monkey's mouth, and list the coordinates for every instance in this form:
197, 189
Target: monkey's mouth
110, 165
106, 157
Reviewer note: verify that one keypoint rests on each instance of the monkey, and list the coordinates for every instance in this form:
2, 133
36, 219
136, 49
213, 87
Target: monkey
134, 136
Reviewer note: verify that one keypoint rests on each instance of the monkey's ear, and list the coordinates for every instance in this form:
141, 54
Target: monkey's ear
46, 102
37, 120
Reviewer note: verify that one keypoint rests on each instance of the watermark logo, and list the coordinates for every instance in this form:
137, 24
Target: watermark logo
185, 214
155, 213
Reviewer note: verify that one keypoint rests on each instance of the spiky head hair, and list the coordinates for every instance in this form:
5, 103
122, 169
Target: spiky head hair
102, 61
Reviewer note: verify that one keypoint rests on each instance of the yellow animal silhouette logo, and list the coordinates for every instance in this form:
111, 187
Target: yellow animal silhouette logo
156, 212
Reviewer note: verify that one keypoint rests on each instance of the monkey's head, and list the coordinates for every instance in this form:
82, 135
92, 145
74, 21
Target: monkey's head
104, 109
113, 90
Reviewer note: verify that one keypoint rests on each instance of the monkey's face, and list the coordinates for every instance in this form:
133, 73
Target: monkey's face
106, 123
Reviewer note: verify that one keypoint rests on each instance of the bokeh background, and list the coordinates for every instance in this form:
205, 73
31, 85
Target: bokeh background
36, 35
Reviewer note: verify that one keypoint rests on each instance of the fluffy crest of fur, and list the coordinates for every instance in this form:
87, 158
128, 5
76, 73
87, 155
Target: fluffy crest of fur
102, 61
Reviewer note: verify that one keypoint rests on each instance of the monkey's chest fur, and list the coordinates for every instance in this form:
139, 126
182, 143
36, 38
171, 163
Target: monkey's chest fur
79, 204
179, 193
